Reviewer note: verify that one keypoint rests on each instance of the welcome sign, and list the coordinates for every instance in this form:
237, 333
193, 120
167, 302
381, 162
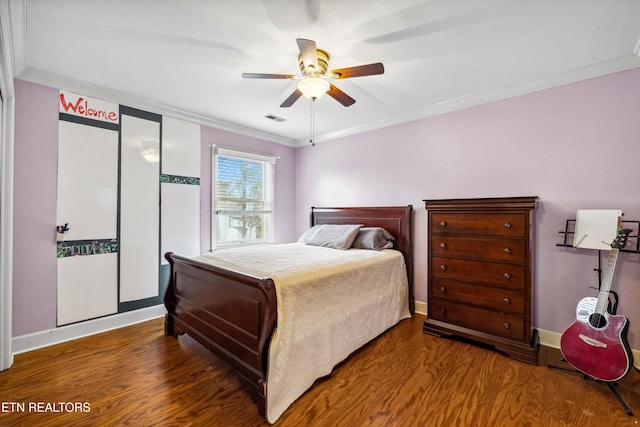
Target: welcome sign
90, 108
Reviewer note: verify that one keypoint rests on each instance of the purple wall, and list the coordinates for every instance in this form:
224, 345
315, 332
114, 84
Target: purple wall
575, 146
35, 186
34, 212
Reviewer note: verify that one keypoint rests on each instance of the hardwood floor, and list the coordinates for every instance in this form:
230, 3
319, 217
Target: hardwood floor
137, 376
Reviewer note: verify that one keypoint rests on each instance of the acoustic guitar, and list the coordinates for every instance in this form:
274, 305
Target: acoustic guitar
596, 343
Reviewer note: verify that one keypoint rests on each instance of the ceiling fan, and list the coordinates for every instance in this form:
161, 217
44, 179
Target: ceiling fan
314, 81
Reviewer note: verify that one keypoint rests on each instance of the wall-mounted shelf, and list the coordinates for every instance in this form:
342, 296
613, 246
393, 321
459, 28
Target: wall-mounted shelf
633, 242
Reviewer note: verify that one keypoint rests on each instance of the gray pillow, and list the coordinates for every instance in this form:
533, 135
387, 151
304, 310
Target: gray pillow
310, 232
375, 238
337, 236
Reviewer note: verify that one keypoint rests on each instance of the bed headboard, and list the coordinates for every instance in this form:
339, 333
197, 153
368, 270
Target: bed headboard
397, 220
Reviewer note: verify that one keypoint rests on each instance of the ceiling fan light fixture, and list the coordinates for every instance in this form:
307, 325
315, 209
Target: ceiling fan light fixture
313, 87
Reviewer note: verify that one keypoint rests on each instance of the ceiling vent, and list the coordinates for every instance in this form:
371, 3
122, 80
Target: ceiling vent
275, 118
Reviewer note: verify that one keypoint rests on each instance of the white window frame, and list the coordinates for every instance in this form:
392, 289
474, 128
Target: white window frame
268, 232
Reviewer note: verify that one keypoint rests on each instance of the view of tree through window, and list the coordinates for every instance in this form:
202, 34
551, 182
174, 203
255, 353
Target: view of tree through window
243, 199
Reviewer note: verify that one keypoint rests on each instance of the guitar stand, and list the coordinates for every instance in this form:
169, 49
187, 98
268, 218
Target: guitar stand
610, 384
612, 307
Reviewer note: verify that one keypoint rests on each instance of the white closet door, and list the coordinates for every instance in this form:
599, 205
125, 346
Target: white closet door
89, 287
87, 201
180, 187
180, 147
87, 181
180, 219
139, 208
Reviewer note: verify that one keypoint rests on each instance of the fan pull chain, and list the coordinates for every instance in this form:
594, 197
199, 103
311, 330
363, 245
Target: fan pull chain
311, 125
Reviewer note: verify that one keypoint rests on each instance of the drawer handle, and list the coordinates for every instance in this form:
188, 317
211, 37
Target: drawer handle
443, 245
507, 250
443, 310
443, 223
507, 275
507, 224
443, 289
443, 267
507, 325
507, 300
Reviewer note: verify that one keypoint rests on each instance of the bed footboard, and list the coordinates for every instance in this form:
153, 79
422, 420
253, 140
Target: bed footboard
230, 313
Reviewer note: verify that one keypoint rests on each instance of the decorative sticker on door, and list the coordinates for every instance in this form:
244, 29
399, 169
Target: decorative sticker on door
177, 179
87, 247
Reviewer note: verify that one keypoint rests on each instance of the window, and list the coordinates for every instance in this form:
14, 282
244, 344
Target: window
242, 198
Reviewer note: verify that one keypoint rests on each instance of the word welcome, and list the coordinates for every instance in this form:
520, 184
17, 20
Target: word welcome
81, 108
42, 407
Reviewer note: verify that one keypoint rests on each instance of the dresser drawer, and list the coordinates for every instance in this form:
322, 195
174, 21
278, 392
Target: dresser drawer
493, 224
500, 299
484, 248
507, 275
509, 326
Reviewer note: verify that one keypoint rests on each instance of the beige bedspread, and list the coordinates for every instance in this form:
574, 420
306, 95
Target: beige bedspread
330, 303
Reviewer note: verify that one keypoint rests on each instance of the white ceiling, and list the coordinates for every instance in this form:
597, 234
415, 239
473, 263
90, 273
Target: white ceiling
185, 57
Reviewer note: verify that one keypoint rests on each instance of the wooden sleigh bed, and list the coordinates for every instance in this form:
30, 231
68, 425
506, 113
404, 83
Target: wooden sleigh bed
235, 314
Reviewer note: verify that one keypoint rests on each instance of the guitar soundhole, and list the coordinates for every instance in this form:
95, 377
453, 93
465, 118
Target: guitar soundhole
597, 320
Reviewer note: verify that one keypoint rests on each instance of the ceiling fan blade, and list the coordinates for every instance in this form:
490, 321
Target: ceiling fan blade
340, 96
291, 99
267, 76
359, 71
308, 53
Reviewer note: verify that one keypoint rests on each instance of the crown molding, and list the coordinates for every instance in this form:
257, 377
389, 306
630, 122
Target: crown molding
18, 22
45, 78
34, 75
623, 63
17, 18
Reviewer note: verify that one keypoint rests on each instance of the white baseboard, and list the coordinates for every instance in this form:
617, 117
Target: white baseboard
49, 337
547, 338
421, 307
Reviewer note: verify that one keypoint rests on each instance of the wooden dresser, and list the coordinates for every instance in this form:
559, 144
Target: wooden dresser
480, 272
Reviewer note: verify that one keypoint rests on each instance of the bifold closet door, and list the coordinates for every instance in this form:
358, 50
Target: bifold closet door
139, 208
87, 202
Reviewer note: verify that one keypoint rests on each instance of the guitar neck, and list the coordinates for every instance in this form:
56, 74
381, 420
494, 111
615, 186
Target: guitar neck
605, 286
